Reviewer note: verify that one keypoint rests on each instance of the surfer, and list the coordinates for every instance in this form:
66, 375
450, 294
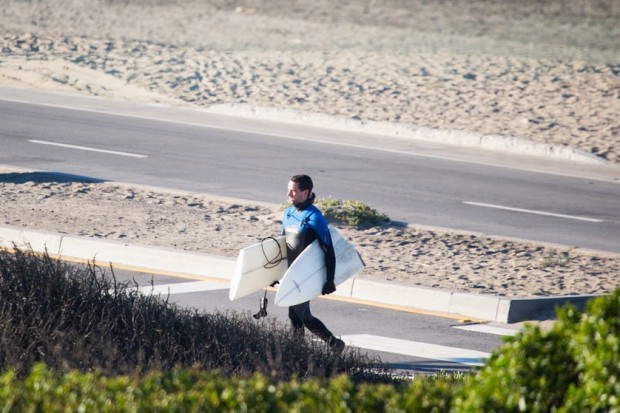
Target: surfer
302, 223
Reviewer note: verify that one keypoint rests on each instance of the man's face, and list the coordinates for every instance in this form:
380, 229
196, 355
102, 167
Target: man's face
295, 195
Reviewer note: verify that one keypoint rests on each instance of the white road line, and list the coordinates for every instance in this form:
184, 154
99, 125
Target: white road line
487, 329
530, 211
182, 288
417, 349
85, 148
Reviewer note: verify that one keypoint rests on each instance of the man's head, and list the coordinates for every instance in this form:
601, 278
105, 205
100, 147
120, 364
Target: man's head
299, 189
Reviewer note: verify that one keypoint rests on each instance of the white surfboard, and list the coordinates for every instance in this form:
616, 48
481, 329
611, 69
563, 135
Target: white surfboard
258, 266
305, 278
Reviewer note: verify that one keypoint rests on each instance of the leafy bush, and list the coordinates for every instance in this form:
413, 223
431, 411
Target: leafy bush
78, 317
573, 367
199, 391
351, 212
595, 345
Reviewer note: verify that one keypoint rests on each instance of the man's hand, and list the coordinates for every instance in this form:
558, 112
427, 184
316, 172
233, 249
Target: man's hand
329, 287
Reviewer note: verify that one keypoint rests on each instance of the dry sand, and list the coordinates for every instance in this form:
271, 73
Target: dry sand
541, 71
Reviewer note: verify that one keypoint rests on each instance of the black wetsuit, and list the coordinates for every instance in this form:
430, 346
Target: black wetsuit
302, 224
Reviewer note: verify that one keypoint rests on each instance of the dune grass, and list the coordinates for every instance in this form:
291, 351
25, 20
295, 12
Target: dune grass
71, 316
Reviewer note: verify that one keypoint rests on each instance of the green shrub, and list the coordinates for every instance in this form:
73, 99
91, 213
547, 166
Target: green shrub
595, 345
573, 367
350, 212
183, 390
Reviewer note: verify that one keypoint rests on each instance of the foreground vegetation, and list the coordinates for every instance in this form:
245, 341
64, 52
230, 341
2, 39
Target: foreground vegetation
74, 340
573, 367
200, 391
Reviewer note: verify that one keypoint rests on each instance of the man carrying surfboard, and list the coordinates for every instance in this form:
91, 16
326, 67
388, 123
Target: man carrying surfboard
302, 223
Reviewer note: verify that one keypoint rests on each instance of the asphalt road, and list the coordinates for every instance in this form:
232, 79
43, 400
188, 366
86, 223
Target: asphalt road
415, 182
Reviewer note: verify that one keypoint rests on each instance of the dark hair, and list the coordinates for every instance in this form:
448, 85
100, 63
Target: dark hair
303, 181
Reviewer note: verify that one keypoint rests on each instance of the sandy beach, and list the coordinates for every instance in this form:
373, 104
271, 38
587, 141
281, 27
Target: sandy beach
541, 71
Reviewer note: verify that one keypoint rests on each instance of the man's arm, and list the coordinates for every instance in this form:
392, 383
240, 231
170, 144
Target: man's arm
330, 265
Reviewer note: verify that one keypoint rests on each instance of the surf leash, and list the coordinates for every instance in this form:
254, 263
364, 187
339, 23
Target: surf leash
272, 262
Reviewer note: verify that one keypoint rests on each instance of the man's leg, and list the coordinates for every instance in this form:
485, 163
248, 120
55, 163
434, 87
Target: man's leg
319, 329
296, 314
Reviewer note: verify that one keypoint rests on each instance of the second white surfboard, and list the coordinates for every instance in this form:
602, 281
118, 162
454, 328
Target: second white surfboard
305, 278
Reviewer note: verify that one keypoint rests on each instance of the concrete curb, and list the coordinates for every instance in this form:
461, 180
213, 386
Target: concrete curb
195, 265
509, 144
105, 252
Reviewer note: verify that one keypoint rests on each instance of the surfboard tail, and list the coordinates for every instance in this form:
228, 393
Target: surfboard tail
258, 266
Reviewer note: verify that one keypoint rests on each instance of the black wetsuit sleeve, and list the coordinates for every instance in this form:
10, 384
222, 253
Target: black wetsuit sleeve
330, 261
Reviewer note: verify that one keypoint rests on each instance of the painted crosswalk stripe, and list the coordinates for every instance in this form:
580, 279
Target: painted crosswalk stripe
489, 329
417, 349
182, 288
